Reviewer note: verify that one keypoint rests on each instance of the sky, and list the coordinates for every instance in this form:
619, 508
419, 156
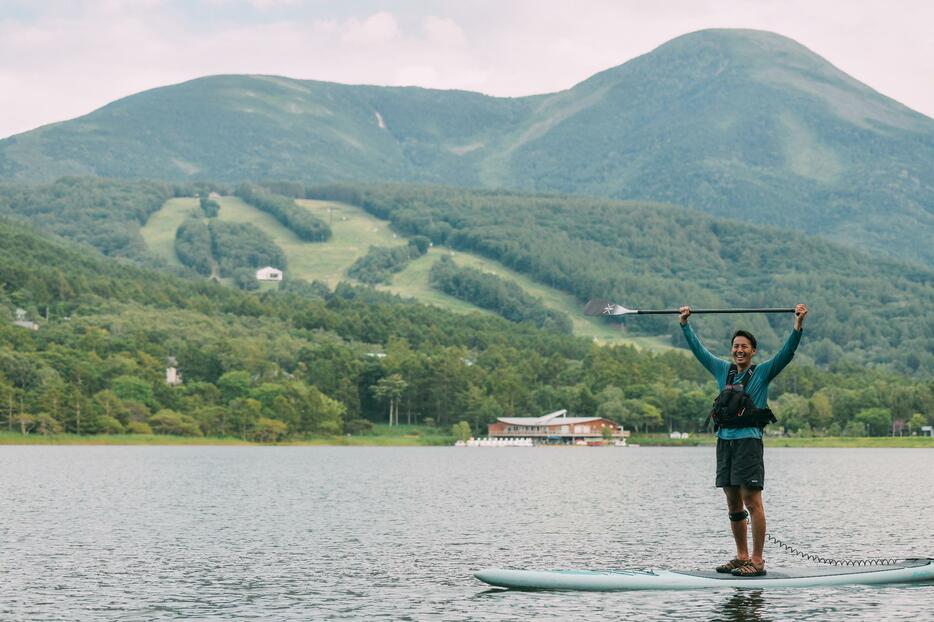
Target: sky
60, 59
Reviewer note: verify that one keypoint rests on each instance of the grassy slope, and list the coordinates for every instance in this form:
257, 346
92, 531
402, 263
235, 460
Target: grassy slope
354, 232
413, 281
159, 231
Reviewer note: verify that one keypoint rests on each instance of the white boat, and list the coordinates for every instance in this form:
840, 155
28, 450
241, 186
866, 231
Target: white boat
495, 442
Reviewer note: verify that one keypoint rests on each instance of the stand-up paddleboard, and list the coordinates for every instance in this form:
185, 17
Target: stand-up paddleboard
904, 571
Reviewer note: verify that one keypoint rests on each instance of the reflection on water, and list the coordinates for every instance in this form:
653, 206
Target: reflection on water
743, 606
299, 533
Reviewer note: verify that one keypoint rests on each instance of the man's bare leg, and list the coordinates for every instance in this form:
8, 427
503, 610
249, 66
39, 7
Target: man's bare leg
752, 498
734, 504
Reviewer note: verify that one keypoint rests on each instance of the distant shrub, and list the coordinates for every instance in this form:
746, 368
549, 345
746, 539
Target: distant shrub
270, 430
245, 278
421, 243
170, 422
47, 424
358, 426
109, 425
381, 262
210, 207
138, 427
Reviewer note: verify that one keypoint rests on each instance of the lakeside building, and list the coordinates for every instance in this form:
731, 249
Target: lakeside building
556, 428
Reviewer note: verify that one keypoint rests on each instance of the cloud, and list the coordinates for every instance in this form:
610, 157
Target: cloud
443, 31
377, 29
416, 75
67, 58
265, 5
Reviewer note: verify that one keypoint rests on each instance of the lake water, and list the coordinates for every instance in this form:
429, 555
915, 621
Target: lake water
309, 533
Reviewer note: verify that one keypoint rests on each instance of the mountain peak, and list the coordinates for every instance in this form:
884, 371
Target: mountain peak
740, 123
717, 48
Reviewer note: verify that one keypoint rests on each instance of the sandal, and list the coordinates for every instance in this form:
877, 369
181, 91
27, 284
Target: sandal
732, 565
749, 569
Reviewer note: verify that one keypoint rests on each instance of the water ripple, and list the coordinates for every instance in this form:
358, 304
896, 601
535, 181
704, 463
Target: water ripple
309, 533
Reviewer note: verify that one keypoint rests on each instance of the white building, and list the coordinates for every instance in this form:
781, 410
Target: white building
23, 322
269, 274
173, 377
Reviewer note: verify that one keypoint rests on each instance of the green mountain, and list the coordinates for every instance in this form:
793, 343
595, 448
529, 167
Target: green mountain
738, 123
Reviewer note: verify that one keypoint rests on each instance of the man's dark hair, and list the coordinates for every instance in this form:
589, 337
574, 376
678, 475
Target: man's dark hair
747, 335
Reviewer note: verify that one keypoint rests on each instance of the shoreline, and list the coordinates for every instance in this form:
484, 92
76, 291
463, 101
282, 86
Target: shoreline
415, 440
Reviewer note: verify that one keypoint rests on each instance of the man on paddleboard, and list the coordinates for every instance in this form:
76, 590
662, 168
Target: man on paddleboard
740, 467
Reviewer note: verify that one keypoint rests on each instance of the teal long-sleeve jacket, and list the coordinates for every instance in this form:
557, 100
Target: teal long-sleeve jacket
757, 387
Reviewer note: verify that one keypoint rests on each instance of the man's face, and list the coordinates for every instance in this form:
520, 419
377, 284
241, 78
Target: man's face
742, 351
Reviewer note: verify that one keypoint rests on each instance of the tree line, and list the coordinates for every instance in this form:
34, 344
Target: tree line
235, 250
381, 262
297, 219
652, 256
489, 291
308, 361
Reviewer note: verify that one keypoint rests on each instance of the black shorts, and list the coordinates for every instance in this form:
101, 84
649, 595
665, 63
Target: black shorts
740, 463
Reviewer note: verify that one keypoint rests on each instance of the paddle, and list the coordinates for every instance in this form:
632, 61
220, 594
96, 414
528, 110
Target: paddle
599, 307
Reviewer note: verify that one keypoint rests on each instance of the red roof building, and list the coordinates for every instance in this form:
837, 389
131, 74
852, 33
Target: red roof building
556, 427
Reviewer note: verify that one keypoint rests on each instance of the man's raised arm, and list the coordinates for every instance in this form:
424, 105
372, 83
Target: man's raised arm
714, 365
784, 356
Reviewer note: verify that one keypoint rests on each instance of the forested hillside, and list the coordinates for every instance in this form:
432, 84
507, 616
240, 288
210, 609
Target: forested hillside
106, 214
646, 255
738, 123
308, 361
866, 310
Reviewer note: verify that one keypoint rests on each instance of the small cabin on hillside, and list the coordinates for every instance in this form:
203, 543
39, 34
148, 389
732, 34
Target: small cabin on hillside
173, 377
556, 427
23, 322
269, 274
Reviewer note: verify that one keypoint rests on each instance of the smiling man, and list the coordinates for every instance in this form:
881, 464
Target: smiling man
740, 465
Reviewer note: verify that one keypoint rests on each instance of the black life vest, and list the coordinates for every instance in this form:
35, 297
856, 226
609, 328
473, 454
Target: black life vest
734, 408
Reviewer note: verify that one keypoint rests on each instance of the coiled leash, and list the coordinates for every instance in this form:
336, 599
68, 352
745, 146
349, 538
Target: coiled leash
877, 561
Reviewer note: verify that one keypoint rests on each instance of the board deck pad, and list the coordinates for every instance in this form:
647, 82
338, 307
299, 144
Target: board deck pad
904, 571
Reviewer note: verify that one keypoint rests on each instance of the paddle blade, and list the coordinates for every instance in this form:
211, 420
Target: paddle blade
600, 307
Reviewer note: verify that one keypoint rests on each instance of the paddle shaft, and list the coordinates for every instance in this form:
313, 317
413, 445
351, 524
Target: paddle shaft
693, 311
601, 307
